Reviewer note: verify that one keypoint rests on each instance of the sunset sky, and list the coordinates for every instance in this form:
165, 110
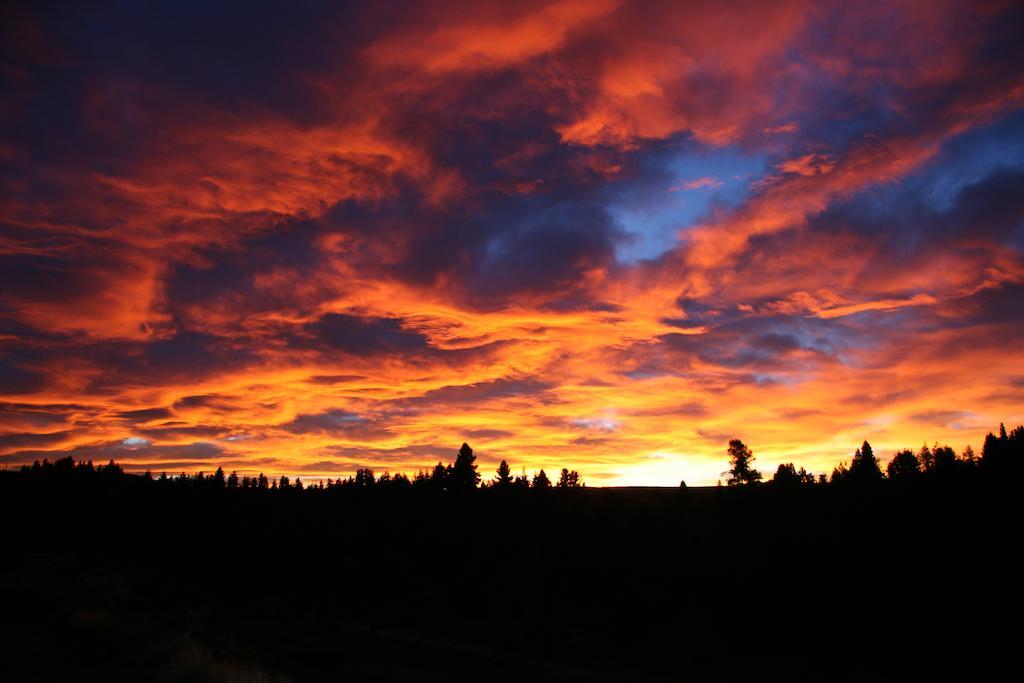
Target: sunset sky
306, 238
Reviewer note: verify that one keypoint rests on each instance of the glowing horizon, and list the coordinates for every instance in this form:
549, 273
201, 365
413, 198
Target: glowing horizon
594, 235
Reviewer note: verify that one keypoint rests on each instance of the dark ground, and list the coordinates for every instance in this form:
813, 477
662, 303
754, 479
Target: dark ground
129, 581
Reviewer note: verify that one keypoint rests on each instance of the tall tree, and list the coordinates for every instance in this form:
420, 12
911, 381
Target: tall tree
864, 466
464, 475
740, 472
541, 481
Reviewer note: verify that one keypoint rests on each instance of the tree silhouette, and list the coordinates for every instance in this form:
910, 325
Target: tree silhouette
786, 475
904, 466
440, 476
541, 481
740, 472
504, 477
840, 473
943, 461
1004, 453
569, 479
464, 475
864, 466
364, 478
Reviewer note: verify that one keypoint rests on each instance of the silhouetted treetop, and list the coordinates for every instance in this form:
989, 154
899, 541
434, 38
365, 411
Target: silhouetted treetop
904, 466
1004, 454
788, 475
464, 475
740, 472
864, 466
504, 477
569, 479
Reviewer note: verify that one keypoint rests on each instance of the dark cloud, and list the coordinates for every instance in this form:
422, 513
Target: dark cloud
488, 434
177, 432
547, 254
479, 392
145, 414
36, 416
183, 356
220, 403
31, 440
16, 379
943, 417
330, 421
335, 379
364, 336
120, 451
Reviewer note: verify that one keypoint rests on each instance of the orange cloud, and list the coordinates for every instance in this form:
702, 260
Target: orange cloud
418, 242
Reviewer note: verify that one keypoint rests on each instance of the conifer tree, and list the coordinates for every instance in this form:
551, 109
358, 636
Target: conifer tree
504, 477
864, 466
464, 474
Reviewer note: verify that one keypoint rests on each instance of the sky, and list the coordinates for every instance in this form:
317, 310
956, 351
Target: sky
304, 238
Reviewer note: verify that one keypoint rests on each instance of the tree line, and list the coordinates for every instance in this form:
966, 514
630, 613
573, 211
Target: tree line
1001, 454
459, 476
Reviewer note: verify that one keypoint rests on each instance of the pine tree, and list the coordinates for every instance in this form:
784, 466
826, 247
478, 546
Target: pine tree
464, 475
864, 466
504, 475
